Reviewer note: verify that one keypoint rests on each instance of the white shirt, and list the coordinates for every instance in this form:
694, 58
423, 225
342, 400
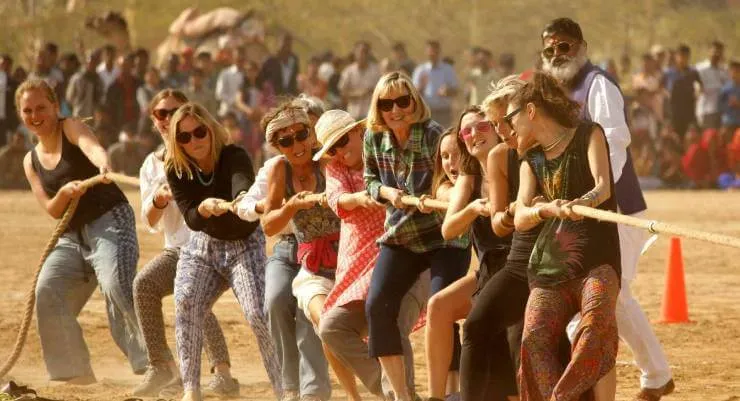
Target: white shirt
108, 77
151, 176
228, 85
359, 84
287, 70
245, 209
712, 81
606, 107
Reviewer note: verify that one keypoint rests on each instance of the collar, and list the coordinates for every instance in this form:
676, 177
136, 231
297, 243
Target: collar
414, 144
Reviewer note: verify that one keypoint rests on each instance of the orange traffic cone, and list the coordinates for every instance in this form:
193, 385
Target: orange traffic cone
675, 308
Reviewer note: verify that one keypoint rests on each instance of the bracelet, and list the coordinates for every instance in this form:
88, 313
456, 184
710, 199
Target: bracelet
535, 216
154, 203
591, 196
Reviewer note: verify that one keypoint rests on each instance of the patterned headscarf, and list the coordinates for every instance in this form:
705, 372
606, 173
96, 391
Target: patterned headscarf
284, 119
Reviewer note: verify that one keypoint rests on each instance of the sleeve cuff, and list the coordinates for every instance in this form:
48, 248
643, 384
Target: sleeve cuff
373, 189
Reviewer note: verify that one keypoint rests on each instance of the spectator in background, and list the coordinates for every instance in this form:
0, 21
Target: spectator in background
681, 80
42, 69
625, 73
253, 101
695, 161
506, 64
52, 54
172, 78
401, 59
103, 127
197, 91
310, 83
85, 89
230, 80
648, 82
729, 102
731, 178
8, 114
659, 54
479, 81
69, 64
144, 95
670, 150
713, 78
334, 95
141, 63
120, 98
12, 175
108, 70
437, 82
126, 156
281, 70
231, 123
20, 74
187, 62
204, 61
358, 81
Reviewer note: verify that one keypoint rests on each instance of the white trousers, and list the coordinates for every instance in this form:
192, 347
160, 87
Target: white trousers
634, 326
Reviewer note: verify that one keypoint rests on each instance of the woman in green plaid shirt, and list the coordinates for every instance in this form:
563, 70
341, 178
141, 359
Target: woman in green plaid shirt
399, 160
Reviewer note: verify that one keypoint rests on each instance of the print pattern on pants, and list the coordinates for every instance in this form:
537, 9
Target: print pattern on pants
594, 352
205, 265
154, 282
127, 255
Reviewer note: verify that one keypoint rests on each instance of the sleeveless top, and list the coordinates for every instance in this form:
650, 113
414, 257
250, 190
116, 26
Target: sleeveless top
566, 249
316, 229
74, 165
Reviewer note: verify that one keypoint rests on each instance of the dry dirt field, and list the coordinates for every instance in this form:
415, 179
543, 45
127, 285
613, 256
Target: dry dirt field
704, 354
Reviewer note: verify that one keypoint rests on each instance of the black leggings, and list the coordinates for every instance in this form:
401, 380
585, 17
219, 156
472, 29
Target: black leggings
492, 337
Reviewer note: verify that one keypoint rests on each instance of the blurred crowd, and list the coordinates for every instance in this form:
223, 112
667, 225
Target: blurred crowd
684, 117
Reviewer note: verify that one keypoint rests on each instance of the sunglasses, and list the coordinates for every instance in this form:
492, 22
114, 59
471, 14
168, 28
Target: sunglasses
481, 126
510, 117
288, 141
401, 101
562, 47
162, 114
342, 142
184, 137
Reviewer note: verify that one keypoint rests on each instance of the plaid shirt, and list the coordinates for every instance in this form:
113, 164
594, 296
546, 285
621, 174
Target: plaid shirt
410, 170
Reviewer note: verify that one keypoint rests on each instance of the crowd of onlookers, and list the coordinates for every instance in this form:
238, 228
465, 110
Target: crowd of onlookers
683, 117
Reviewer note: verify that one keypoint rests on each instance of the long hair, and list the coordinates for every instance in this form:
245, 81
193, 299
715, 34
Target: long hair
544, 92
395, 81
469, 165
176, 159
438, 176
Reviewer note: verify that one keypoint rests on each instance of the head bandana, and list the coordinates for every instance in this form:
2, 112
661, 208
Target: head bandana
284, 119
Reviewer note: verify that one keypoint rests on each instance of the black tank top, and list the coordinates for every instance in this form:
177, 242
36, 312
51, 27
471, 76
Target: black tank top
522, 241
74, 165
567, 249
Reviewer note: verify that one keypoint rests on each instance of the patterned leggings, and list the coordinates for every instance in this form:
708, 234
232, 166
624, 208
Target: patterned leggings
594, 352
207, 265
154, 282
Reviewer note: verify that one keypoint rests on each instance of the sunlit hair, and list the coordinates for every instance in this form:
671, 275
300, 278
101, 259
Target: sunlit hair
469, 165
164, 94
395, 82
439, 177
545, 93
310, 104
35, 84
176, 159
501, 91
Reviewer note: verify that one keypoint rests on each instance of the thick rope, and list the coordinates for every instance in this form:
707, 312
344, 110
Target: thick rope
60, 228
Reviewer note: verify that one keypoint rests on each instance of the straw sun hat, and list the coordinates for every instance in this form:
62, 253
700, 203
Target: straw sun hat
331, 127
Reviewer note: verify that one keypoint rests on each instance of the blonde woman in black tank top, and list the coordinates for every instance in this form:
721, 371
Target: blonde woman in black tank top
99, 245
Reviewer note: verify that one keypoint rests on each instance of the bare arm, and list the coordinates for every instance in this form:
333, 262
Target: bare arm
598, 161
461, 214
80, 135
278, 213
502, 214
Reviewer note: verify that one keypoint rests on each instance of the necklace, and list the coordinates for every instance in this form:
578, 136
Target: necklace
556, 142
203, 180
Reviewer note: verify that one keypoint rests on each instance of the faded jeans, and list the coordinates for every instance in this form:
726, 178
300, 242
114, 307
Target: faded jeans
105, 252
304, 367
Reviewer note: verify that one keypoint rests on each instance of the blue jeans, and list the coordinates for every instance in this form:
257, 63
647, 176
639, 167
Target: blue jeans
304, 367
396, 270
104, 251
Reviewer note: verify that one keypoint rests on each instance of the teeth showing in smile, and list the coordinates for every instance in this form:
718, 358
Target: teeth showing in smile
36, 124
300, 154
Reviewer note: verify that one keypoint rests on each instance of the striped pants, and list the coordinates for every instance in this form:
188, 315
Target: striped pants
154, 282
207, 265
594, 352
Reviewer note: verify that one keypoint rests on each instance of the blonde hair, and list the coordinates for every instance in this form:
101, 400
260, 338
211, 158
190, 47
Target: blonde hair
395, 81
501, 91
175, 158
35, 84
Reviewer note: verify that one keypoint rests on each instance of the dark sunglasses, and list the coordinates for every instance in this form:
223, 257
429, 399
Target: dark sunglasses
481, 126
288, 141
562, 47
184, 137
387, 104
510, 117
162, 114
342, 142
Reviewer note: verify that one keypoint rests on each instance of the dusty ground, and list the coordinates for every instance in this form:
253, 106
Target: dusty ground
704, 355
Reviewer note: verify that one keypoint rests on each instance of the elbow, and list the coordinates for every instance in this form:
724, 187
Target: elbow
447, 232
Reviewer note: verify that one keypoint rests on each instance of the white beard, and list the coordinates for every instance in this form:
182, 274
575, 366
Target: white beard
567, 70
